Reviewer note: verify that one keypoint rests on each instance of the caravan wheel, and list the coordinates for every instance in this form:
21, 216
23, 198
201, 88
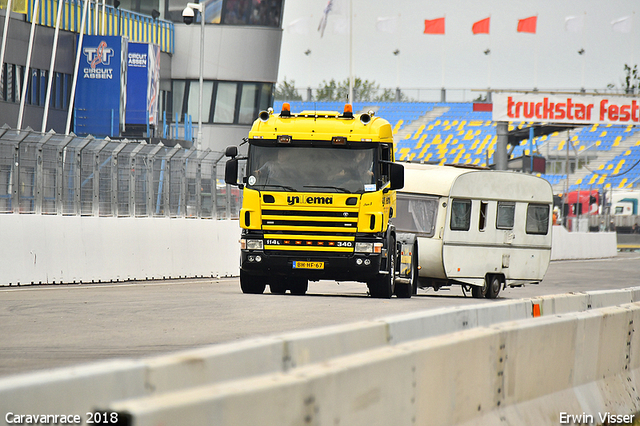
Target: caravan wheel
493, 288
479, 292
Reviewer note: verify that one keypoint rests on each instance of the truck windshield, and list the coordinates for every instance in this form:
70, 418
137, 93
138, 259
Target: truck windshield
311, 169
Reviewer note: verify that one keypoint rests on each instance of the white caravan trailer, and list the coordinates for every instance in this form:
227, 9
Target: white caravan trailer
478, 228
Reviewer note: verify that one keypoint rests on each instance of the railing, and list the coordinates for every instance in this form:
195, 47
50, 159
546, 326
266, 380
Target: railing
70, 175
135, 26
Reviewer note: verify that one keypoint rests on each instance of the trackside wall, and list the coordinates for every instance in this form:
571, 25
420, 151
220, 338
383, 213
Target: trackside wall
582, 245
71, 249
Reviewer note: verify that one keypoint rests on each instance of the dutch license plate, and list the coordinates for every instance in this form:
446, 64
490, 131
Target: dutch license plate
297, 264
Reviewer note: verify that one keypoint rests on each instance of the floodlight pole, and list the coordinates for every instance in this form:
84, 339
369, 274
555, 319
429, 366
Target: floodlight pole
200, 7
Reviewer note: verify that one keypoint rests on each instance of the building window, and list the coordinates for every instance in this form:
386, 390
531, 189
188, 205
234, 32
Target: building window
248, 103
222, 102
225, 103
194, 100
265, 13
178, 99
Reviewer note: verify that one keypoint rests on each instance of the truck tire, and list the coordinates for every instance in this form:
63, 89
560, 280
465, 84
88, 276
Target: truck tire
278, 285
252, 284
381, 287
298, 286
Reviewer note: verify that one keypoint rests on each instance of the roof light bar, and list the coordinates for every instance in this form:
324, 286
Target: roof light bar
286, 110
348, 111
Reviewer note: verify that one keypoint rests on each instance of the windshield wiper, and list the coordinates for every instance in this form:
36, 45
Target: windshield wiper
337, 188
288, 188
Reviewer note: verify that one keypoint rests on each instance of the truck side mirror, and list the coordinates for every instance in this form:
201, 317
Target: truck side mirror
231, 171
396, 174
231, 151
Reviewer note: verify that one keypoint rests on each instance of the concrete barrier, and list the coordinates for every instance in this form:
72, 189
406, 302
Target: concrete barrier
43, 249
582, 245
447, 366
70, 249
527, 372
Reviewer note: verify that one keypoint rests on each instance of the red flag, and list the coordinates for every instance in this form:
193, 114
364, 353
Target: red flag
527, 25
481, 27
434, 26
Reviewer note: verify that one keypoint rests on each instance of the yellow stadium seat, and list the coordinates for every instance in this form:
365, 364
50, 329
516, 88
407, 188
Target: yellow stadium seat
419, 131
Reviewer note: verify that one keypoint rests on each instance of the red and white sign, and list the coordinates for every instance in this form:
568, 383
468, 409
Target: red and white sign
566, 108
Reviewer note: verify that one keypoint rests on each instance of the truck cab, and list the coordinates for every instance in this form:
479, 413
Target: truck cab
318, 196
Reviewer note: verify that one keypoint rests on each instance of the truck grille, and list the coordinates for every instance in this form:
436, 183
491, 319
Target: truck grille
310, 231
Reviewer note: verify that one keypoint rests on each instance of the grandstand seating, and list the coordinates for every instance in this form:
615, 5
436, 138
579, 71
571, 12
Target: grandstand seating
445, 133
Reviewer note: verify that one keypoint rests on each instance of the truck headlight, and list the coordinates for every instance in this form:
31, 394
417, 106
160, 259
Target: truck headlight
251, 244
368, 247
364, 247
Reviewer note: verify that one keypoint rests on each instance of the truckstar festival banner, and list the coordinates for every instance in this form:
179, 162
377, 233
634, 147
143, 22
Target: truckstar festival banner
143, 83
101, 96
578, 109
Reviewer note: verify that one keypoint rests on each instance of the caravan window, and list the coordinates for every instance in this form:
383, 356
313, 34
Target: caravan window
482, 222
416, 214
506, 213
538, 219
460, 215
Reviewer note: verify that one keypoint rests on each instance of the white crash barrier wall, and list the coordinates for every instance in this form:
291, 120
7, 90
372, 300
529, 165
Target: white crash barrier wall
315, 365
72, 249
582, 245
527, 372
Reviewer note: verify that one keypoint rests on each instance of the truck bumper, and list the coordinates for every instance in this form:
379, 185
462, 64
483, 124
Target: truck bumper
354, 267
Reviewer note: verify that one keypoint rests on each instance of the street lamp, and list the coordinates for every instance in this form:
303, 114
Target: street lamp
188, 15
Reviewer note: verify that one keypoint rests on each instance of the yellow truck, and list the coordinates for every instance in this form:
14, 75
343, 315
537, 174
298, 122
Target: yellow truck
318, 199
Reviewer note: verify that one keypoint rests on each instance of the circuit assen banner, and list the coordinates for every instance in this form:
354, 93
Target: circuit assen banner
101, 97
143, 83
579, 109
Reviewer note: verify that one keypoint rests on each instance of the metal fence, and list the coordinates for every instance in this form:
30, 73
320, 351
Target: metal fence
70, 175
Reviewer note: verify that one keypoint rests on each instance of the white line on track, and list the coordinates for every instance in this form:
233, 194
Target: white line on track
88, 286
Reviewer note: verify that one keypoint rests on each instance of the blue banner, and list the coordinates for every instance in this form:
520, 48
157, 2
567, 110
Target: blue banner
101, 97
137, 82
143, 81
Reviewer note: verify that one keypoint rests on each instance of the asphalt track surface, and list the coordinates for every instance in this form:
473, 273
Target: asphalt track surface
47, 326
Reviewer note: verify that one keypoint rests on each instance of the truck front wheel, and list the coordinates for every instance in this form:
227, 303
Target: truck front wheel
252, 284
382, 286
298, 286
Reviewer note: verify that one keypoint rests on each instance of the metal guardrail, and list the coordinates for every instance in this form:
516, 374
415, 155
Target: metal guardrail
70, 175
